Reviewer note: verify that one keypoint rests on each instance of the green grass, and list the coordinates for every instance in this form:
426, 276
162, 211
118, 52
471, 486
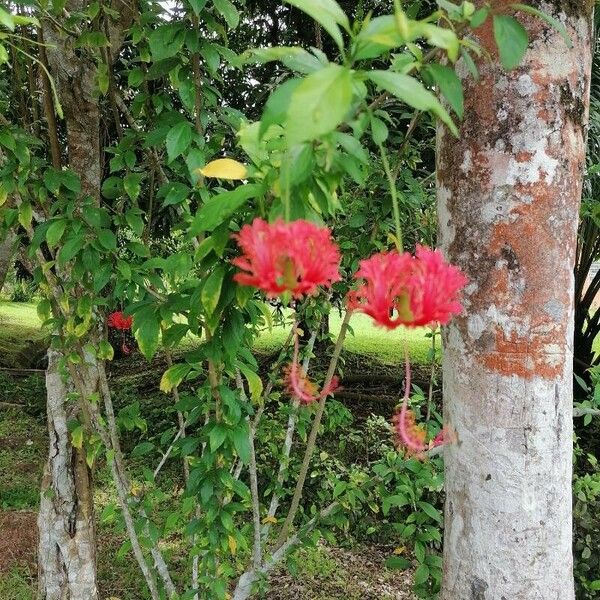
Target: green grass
364, 338
23, 447
20, 326
20, 334
17, 585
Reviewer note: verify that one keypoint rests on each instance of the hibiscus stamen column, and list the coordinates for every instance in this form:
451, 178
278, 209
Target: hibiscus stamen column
508, 199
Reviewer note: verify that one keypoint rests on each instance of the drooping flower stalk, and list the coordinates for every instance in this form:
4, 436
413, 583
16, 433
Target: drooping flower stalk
298, 383
411, 435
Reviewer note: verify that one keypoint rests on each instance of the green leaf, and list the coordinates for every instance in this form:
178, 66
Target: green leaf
142, 449
135, 221
77, 437
228, 11
421, 575
450, 86
107, 238
412, 92
105, 350
378, 36
319, 104
379, 130
179, 139
240, 436
197, 5
479, 17
217, 436
430, 511
92, 39
132, 185
166, 41
177, 193
55, 232
146, 329
102, 79
560, 28
7, 19
70, 249
512, 40
397, 563
25, 214
135, 78
211, 290
173, 376
219, 208
277, 105
3, 55
328, 14
255, 384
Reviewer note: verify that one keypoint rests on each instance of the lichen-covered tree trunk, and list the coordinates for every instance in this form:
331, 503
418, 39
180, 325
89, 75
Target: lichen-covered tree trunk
7, 252
67, 546
508, 199
67, 556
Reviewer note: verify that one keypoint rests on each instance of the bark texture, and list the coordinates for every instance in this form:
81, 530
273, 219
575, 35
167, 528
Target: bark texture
67, 549
7, 252
508, 200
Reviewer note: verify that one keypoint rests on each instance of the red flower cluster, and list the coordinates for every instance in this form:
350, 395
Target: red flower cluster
117, 320
295, 257
400, 289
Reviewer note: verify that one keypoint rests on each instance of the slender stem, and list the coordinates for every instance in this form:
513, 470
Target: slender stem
394, 195
257, 551
289, 437
431, 378
312, 438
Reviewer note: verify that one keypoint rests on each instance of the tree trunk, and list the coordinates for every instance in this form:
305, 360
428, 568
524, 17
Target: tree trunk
67, 546
7, 252
508, 200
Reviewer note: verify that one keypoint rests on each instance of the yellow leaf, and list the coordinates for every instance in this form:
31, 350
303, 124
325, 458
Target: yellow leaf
271, 520
225, 168
400, 550
232, 544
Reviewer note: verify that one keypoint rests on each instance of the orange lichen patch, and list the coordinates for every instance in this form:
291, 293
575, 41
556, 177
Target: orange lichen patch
524, 284
525, 358
523, 157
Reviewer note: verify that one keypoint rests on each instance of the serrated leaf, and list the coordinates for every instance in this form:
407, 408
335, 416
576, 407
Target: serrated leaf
255, 384
328, 14
142, 449
225, 168
146, 329
77, 437
132, 185
555, 23
105, 350
240, 436
219, 208
107, 238
450, 86
173, 376
512, 40
319, 104
412, 92
178, 140
228, 11
421, 575
55, 232
397, 563
211, 290
217, 436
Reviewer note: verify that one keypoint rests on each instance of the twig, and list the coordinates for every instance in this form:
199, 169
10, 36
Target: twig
312, 438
